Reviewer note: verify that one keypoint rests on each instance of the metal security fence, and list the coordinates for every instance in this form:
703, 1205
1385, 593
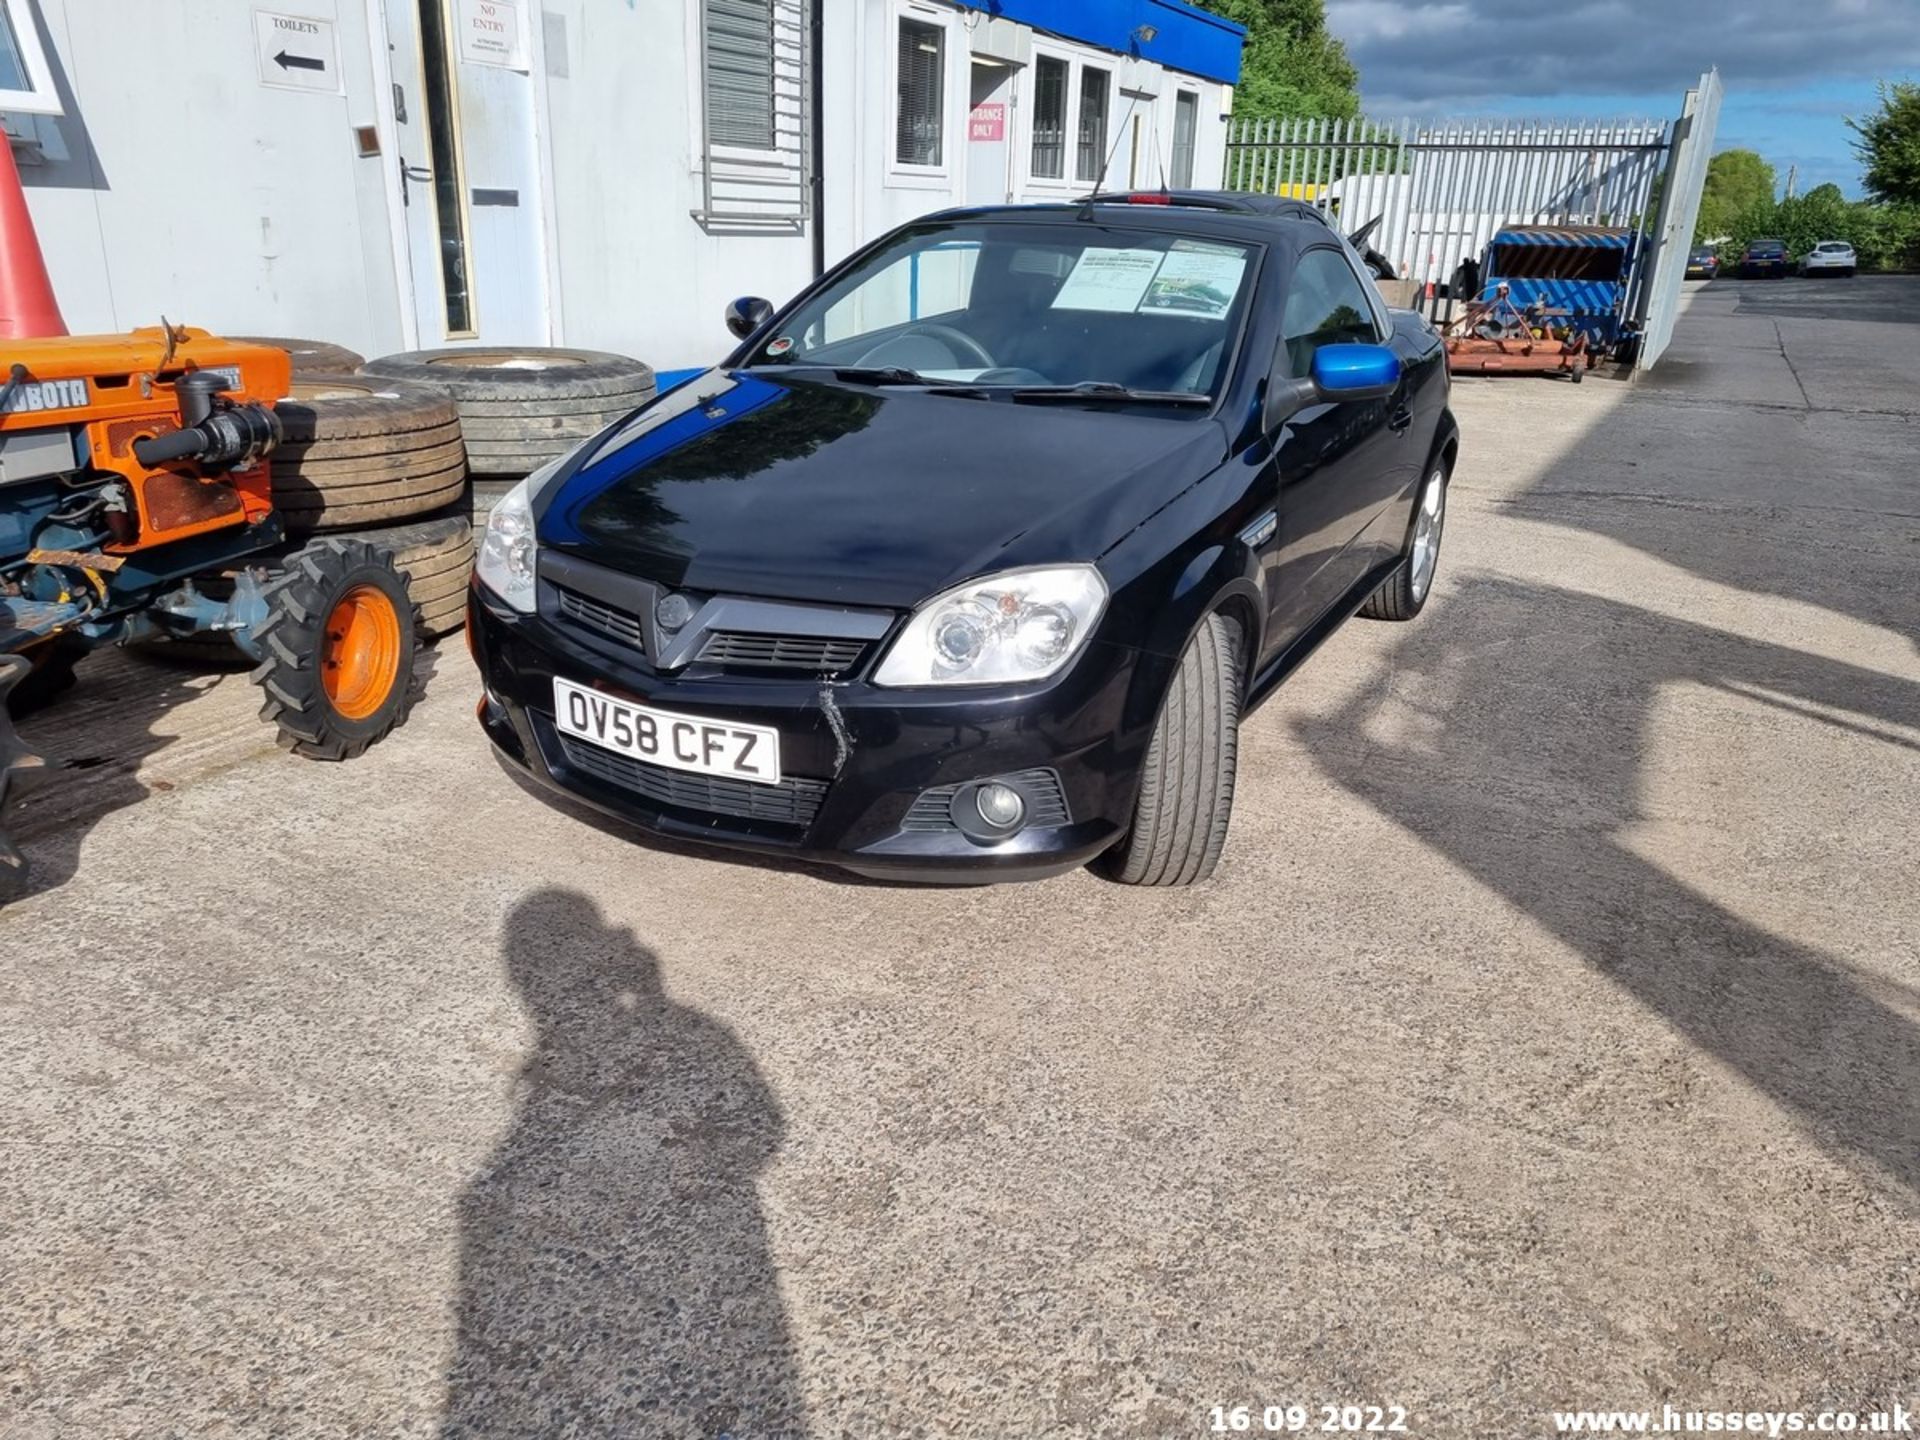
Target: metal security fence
1439, 190
1442, 189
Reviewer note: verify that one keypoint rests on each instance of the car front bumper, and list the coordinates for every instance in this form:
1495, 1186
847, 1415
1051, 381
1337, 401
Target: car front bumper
864, 755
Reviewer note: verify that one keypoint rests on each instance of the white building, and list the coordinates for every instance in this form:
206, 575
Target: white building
400, 174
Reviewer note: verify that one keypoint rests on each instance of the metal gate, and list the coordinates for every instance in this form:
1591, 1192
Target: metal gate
1439, 190
1672, 231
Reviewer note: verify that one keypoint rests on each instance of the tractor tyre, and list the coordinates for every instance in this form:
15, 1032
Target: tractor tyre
436, 556
338, 641
520, 408
51, 677
14, 755
310, 357
356, 452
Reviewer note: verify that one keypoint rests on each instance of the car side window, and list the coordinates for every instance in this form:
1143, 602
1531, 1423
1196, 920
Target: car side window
1325, 306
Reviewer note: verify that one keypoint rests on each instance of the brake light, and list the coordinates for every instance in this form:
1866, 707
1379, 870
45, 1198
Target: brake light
1149, 197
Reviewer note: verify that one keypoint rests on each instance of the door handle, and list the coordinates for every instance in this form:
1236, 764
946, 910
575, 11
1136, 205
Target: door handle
418, 174
1400, 420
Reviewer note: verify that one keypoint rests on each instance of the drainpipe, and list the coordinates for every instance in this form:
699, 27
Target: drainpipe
817, 118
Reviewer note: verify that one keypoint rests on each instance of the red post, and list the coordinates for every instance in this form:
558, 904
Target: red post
27, 306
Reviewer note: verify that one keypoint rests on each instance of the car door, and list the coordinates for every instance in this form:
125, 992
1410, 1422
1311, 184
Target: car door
1334, 466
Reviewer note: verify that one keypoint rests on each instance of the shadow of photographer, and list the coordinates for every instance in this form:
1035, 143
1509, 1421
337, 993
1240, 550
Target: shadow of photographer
615, 1278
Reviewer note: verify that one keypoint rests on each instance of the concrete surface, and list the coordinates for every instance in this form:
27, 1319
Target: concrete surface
1548, 1038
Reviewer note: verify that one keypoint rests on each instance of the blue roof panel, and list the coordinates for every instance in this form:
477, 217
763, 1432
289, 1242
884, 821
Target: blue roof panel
1584, 237
1185, 37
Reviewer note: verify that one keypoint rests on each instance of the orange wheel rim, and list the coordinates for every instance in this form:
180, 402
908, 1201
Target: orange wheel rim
360, 653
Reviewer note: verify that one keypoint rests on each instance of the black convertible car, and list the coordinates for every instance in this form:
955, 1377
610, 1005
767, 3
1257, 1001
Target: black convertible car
965, 565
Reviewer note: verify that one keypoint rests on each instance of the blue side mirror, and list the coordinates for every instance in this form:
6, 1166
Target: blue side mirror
1339, 372
1355, 372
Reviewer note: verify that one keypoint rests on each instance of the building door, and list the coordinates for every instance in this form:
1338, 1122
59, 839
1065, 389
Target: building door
468, 170
988, 120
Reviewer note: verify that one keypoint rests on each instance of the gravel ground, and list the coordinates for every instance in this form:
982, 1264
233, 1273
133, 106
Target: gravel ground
1547, 1040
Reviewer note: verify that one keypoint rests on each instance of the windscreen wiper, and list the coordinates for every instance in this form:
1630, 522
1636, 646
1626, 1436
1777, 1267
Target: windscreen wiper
896, 375
1107, 390
867, 374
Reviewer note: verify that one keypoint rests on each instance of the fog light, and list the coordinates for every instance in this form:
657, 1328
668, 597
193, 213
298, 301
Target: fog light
1000, 805
988, 812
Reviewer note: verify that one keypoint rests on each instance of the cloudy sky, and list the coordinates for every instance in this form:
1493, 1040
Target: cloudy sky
1792, 68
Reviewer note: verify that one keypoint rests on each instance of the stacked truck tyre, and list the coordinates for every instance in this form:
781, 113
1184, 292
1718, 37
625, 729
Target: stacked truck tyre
409, 452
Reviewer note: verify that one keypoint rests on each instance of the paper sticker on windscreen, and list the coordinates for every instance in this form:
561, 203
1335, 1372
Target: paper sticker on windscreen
1197, 282
1108, 280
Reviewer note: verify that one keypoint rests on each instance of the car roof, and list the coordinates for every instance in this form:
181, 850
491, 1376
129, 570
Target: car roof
1228, 213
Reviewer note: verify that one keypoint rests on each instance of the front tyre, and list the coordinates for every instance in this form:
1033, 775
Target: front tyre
1186, 785
1403, 594
337, 649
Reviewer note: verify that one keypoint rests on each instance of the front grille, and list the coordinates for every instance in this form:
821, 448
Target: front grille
794, 801
782, 652
1046, 801
621, 625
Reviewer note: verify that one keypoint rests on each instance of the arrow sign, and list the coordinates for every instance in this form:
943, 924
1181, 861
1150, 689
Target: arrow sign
296, 52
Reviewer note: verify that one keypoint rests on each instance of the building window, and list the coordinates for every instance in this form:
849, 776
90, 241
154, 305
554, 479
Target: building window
920, 120
1092, 161
1186, 119
1049, 118
25, 81
739, 58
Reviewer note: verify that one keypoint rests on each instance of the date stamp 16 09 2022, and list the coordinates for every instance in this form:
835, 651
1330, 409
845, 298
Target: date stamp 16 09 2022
1296, 1418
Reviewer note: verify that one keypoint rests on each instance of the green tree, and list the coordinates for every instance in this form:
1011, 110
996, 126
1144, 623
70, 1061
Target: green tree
1737, 182
1889, 145
1291, 66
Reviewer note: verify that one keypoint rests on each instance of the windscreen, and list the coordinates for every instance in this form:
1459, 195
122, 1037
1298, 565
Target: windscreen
1023, 305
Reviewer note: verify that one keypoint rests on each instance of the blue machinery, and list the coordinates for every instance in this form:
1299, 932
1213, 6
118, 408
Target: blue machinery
1571, 278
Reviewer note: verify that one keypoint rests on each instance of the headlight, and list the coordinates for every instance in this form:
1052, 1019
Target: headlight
1020, 625
505, 563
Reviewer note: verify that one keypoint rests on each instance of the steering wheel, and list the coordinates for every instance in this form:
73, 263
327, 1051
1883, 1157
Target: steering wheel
957, 341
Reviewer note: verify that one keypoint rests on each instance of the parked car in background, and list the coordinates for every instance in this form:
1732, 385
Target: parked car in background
1830, 257
966, 563
1703, 262
1763, 259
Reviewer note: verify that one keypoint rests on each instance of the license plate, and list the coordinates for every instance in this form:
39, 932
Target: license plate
661, 737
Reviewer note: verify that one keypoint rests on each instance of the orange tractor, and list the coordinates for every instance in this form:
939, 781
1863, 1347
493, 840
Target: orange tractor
135, 504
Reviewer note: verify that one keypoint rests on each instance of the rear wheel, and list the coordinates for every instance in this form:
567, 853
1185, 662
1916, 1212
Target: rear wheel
14, 756
52, 675
1403, 594
338, 646
1186, 785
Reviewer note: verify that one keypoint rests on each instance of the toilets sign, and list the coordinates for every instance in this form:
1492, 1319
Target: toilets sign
296, 52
